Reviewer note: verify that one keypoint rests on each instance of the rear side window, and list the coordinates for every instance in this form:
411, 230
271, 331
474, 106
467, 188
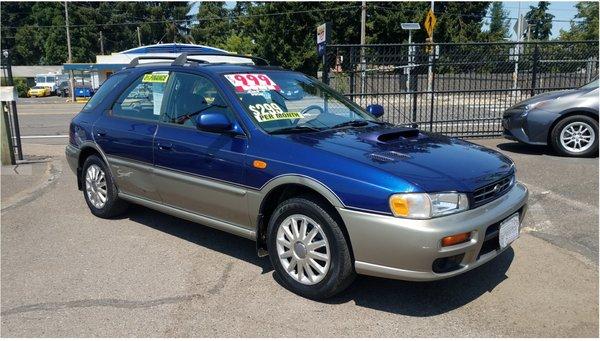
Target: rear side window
143, 99
104, 90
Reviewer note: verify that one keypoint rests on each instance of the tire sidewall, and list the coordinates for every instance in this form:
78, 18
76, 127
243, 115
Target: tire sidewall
556, 133
328, 285
111, 191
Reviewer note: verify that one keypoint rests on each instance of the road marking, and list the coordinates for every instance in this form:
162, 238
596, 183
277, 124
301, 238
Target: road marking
558, 197
43, 136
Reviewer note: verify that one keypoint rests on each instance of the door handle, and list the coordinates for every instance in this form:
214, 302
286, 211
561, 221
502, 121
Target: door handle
101, 133
165, 146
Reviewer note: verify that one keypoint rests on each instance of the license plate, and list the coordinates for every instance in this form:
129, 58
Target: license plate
509, 230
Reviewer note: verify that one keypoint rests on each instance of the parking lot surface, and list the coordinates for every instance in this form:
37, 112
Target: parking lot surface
65, 272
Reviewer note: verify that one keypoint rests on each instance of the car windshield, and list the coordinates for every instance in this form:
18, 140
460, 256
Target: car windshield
289, 102
592, 85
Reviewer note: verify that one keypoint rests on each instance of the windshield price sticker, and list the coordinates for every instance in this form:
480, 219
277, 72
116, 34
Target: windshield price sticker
244, 82
155, 78
272, 112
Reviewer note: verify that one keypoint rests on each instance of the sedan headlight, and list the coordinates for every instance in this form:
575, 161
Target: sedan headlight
538, 105
427, 205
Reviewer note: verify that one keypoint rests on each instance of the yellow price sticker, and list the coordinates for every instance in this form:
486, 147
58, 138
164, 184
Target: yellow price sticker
278, 116
155, 78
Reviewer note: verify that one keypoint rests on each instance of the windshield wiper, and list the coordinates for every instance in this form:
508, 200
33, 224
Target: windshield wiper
296, 129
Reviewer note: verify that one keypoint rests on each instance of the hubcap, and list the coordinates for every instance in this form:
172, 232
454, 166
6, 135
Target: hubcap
95, 186
577, 137
303, 249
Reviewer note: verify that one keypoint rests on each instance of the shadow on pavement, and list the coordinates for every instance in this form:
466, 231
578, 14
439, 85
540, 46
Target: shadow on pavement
522, 148
399, 297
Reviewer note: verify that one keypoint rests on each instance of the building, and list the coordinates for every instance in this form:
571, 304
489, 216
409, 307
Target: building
96, 73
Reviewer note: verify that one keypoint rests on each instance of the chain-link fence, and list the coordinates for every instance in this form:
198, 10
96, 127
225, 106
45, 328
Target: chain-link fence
457, 89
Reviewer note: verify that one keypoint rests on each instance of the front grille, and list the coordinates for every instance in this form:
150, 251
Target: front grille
492, 191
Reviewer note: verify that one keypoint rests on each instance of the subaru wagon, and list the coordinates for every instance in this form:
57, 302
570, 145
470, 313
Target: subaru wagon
324, 187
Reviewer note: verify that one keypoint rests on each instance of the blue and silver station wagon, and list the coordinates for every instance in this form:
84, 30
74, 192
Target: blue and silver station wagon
325, 188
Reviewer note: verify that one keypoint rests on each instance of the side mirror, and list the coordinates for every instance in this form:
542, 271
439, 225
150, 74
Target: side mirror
213, 122
375, 110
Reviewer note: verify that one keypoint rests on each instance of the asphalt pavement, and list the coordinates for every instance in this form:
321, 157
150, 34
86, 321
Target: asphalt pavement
65, 272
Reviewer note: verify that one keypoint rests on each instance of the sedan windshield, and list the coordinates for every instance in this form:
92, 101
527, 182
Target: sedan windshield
290, 102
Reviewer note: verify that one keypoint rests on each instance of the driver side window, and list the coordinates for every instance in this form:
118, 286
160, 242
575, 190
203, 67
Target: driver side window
144, 98
189, 96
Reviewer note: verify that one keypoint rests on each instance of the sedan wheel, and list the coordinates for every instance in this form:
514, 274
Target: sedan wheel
577, 137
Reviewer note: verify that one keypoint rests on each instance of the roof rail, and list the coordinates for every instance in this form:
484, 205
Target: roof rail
183, 58
256, 60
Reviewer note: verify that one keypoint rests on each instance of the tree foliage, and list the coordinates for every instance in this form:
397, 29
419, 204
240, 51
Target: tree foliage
587, 27
499, 24
540, 21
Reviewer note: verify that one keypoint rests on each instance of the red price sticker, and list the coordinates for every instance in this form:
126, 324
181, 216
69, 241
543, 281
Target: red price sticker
245, 82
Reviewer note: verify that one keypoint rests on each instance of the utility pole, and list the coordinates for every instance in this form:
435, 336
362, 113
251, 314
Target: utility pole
70, 57
139, 36
517, 50
101, 44
431, 56
363, 41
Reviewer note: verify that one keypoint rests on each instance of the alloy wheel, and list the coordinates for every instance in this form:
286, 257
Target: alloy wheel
577, 137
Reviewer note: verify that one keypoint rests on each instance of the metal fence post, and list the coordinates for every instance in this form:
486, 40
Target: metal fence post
352, 71
534, 69
432, 92
325, 65
414, 87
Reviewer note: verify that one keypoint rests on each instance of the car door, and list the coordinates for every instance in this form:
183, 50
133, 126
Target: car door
198, 171
126, 132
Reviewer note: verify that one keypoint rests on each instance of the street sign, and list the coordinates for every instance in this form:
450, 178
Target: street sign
410, 25
322, 38
430, 21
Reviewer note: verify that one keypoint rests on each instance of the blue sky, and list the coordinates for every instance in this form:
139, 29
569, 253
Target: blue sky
563, 12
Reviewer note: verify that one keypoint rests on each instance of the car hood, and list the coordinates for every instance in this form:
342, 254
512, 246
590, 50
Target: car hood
431, 162
550, 96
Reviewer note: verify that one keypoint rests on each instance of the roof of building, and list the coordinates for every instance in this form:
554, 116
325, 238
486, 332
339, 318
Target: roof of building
173, 48
29, 71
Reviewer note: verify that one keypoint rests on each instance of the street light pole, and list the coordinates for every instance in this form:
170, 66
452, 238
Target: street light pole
363, 41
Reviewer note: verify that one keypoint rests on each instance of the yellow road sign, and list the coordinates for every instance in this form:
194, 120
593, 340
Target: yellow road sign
430, 21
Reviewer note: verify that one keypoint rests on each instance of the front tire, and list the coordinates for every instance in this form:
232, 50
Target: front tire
575, 136
308, 249
99, 189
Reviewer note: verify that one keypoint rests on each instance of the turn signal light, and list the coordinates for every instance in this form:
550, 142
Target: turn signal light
456, 239
259, 164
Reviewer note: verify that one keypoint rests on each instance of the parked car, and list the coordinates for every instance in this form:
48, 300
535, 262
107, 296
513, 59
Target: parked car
565, 120
325, 189
39, 91
84, 91
64, 89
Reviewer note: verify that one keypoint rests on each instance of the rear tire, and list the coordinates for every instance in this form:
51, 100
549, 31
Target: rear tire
308, 240
99, 189
575, 136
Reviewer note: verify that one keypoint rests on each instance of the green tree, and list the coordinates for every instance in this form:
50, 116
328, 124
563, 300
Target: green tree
540, 21
213, 25
587, 28
499, 25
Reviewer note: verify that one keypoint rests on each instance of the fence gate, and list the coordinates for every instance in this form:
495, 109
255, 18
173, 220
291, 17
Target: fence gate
457, 89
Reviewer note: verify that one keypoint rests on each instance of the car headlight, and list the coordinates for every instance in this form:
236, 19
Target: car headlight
537, 105
427, 205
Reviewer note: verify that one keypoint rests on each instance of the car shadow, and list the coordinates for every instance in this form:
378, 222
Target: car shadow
399, 297
522, 148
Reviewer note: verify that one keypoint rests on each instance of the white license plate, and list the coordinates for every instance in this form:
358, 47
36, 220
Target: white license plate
509, 230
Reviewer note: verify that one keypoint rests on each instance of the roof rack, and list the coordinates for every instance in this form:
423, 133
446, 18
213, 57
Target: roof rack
182, 59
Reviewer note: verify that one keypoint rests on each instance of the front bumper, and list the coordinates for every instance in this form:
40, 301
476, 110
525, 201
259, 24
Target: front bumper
407, 249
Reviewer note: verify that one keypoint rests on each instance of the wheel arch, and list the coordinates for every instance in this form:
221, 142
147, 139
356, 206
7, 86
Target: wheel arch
286, 187
86, 150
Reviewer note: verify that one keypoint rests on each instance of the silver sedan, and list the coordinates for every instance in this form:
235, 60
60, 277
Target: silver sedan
566, 120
